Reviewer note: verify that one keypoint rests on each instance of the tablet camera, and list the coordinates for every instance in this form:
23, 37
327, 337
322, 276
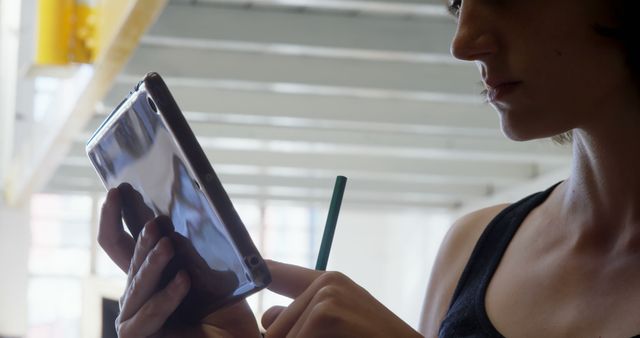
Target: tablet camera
252, 260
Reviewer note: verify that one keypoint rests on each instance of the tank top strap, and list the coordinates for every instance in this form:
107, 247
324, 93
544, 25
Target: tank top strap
467, 316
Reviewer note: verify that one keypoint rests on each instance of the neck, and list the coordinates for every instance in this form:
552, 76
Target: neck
602, 196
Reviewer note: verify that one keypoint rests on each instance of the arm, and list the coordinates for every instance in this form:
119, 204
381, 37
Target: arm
452, 258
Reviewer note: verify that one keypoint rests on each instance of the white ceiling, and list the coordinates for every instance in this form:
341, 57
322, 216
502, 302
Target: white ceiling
286, 94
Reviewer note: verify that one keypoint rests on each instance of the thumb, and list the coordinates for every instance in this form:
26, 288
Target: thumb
290, 280
111, 235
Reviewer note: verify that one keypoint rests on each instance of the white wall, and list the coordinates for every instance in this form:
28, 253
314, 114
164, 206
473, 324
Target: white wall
390, 253
14, 245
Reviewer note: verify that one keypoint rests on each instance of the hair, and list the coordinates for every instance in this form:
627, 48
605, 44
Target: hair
564, 138
627, 32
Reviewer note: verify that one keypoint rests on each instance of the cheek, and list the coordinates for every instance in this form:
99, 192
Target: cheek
571, 85
569, 77
587, 68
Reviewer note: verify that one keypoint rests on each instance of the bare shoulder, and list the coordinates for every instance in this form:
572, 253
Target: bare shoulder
453, 255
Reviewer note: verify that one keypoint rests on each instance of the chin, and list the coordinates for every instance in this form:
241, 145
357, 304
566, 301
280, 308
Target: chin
527, 125
518, 137
512, 132
522, 132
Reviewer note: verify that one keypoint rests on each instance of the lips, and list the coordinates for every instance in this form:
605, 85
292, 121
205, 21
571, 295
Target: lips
499, 89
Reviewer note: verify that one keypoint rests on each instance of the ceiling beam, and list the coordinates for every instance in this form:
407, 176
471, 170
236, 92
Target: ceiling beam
299, 50
85, 175
311, 159
294, 69
393, 144
198, 99
319, 199
428, 8
424, 35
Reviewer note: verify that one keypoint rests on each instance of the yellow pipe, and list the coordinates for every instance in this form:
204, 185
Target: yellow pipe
54, 33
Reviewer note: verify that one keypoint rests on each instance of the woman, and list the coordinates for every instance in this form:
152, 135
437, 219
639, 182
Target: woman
560, 263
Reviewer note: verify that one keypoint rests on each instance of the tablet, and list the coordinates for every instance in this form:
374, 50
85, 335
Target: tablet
146, 149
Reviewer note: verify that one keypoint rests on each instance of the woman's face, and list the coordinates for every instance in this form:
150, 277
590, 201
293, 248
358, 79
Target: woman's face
546, 69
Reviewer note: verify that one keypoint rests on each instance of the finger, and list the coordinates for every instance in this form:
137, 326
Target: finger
145, 282
288, 318
135, 212
151, 234
294, 282
153, 314
147, 240
192, 258
290, 280
271, 315
323, 306
111, 235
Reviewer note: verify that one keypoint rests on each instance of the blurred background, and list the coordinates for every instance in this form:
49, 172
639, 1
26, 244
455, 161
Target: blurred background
283, 95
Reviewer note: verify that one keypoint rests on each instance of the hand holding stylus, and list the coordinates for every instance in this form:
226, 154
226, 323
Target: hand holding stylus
327, 304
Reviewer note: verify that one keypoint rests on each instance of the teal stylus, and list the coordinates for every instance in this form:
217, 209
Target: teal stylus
332, 221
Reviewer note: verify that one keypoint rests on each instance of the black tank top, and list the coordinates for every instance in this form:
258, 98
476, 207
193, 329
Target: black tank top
467, 316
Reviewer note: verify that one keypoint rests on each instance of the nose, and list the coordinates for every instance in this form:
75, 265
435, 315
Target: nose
475, 36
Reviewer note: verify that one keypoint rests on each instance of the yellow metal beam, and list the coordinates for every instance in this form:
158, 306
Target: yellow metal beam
55, 31
128, 20
66, 32
76, 31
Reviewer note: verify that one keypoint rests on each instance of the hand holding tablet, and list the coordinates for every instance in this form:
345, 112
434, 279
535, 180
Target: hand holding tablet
146, 150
